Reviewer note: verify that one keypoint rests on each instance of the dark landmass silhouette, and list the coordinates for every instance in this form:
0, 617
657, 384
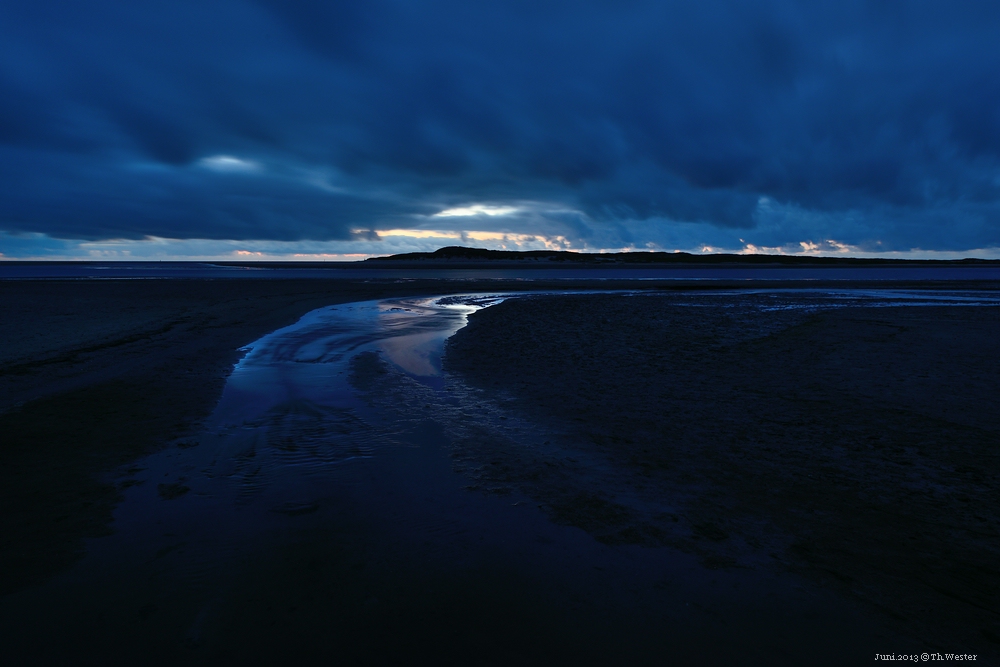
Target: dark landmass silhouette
453, 254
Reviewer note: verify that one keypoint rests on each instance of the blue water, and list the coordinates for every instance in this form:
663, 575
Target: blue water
361, 271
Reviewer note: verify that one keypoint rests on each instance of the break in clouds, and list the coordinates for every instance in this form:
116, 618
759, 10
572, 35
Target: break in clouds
869, 125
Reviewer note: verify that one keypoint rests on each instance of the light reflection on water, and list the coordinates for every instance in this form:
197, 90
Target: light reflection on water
292, 390
408, 331
292, 445
289, 411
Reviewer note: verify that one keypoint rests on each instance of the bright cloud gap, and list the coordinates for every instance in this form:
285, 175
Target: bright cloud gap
476, 209
228, 163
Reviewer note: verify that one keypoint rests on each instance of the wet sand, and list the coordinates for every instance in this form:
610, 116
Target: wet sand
97, 373
859, 447
654, 428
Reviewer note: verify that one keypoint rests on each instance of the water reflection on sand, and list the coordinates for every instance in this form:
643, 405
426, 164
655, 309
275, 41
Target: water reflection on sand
296, 466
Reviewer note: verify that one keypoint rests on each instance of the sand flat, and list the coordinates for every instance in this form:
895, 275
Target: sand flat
97, 373
851, 448
860, 446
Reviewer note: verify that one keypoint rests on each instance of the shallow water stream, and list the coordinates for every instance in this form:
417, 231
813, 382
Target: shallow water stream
307, 521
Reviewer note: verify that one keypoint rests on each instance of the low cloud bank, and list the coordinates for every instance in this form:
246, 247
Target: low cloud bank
589, 125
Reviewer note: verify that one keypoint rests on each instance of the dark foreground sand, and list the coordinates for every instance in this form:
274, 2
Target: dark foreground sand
97, 373
860, 446
94, 374
857, 447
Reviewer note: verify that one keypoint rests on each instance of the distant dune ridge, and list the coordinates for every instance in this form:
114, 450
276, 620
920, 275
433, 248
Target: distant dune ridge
453, 254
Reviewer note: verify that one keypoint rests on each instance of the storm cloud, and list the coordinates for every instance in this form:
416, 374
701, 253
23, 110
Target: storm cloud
606, 124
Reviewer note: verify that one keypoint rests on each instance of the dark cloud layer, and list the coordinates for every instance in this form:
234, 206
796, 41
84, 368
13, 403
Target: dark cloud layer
866, 122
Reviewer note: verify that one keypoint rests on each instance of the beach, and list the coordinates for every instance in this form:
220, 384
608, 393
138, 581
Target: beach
857, 446
97, 373
749, 471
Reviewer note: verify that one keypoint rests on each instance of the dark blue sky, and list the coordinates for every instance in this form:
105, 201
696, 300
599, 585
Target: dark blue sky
289, 127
